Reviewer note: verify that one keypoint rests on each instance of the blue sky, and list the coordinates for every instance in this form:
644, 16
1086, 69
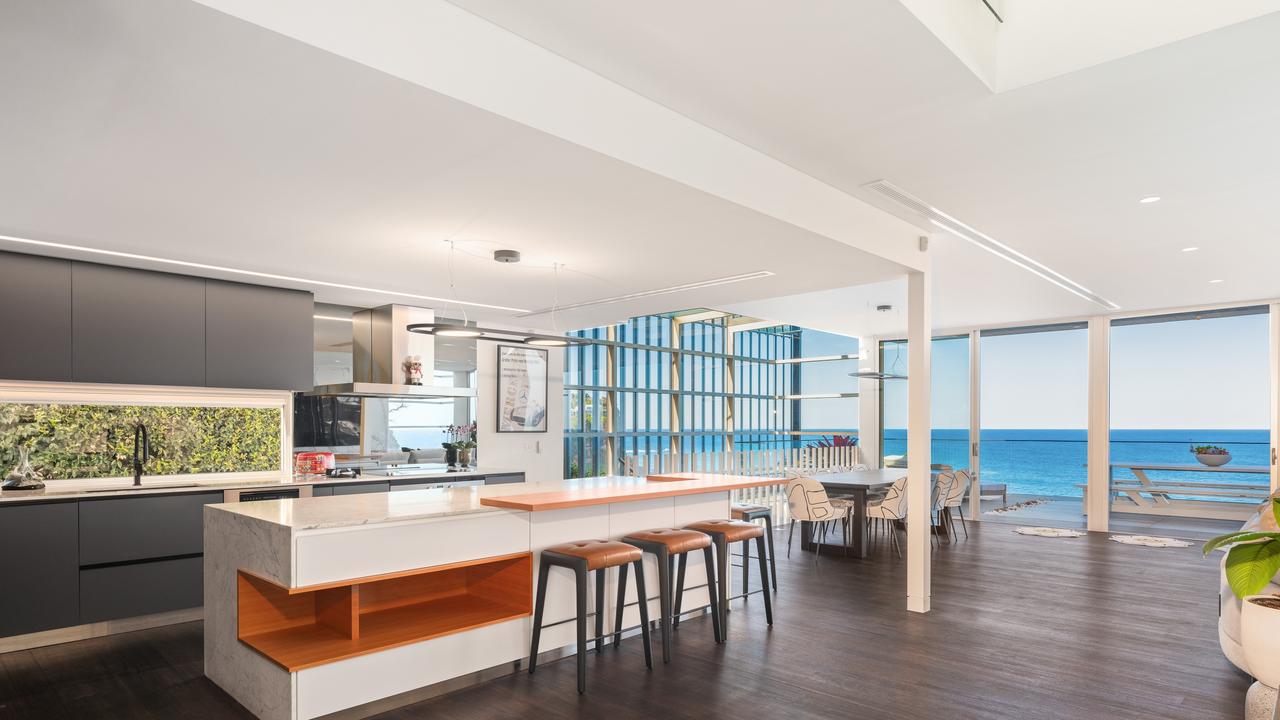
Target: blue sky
1191, 374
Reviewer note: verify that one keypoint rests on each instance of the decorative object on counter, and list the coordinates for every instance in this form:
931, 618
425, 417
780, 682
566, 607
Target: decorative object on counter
412, 367
312, 463
522, 389
1211, 455
23, 476
458, 450
96, 441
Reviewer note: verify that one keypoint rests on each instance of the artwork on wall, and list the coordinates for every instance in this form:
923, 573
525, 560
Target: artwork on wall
522, 389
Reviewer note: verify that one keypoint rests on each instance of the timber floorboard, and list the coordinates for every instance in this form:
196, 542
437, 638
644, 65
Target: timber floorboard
1022, 627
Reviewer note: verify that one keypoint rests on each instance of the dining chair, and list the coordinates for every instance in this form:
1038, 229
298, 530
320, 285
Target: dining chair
955, 499
942, 485
892, 509
808, 502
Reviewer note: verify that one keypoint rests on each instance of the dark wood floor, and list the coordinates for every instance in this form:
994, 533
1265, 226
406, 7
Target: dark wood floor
1022, 627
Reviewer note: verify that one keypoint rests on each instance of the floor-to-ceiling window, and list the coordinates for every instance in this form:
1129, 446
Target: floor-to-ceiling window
700, 383
1189, 380
1034, 418
949, 402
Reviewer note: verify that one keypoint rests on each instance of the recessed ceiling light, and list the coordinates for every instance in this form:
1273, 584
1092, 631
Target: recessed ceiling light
1214, 282
1149, 199
1190, 249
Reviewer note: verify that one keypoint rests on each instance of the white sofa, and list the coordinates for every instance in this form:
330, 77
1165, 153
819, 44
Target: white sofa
1229, 604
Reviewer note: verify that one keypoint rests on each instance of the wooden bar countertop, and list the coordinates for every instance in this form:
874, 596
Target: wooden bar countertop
630, 490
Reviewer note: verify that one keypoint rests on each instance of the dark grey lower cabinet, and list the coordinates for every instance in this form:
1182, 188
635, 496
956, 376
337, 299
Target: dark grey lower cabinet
39, 567
120, 529
358, 488
144, 588
503, 479
321, 490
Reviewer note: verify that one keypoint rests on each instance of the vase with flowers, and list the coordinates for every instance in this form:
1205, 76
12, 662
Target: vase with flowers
460, 446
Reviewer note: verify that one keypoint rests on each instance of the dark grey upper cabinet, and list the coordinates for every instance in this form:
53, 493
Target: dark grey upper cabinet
258, 337
35, 317
136, 327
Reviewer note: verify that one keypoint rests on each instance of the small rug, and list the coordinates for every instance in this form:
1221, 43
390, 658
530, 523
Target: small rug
1048, 532
1149, 541
1017, 506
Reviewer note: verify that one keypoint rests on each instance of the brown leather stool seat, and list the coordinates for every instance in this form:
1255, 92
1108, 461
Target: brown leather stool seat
750, 512
667, 544
582, 557
723, 534
677, 540
732, 530
600, 553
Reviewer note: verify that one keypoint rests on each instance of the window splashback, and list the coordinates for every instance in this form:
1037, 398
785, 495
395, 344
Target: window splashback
93, 441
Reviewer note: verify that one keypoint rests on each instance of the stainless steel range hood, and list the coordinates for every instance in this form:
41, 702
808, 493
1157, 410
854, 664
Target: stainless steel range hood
380, 344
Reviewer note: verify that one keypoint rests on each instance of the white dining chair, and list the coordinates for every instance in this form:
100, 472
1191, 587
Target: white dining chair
892, 509
955, 499
942, 485
808, 502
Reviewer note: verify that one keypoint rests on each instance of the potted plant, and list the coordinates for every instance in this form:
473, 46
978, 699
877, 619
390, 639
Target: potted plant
1252, 561
461, 444
1211, 455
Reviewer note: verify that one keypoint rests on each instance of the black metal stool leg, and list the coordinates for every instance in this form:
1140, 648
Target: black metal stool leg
600, 611
643, 595
722, 582
622, 604
746, 571
764, 577
664, 599
709, 560
538, 607
675, 623
580, 581
773, 559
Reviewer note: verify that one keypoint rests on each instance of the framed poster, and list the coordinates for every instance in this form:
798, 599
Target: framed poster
522, 389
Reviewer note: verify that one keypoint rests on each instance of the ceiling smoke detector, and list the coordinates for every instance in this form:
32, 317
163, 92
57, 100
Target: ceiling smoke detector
506, 256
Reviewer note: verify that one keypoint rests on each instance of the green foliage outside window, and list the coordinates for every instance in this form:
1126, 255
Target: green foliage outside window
92, 441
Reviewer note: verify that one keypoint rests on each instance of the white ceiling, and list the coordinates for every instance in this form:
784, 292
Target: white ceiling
852, 92
172, 130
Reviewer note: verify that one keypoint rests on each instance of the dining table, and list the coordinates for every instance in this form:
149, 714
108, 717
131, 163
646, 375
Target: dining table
858, 485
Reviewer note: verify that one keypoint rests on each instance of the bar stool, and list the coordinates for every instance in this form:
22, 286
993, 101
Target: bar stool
723, 534
666, 544
583, 557
747, 512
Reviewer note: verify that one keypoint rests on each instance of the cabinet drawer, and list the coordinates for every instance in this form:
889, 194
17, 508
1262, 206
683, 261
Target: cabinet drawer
358, 488
38, 568
138, 528
321, 490
121, 591
503, 479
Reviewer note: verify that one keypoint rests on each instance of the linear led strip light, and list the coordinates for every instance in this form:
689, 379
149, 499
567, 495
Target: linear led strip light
650, 293
249, 273
945, 222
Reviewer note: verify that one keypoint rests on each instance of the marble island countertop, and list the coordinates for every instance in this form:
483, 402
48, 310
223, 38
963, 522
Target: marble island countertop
354, 510
117, 487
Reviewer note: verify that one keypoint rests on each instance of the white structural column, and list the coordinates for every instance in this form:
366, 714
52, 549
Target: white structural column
869, 403
975, 424
918, 441
1274, 393
1099, 507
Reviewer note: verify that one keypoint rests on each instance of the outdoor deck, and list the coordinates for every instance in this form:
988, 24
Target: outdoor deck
1066, 512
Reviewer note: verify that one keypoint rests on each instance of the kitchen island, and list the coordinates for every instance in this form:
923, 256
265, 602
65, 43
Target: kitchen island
322, 604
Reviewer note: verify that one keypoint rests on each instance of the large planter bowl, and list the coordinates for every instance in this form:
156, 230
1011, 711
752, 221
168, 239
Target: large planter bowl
1214, 460
1260, 639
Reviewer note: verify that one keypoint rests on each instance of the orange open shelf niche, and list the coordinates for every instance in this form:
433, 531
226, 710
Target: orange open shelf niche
298, 628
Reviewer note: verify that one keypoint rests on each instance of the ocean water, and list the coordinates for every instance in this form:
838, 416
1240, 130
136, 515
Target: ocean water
1052, 462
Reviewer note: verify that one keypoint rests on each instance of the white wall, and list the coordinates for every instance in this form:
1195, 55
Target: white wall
539, 455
